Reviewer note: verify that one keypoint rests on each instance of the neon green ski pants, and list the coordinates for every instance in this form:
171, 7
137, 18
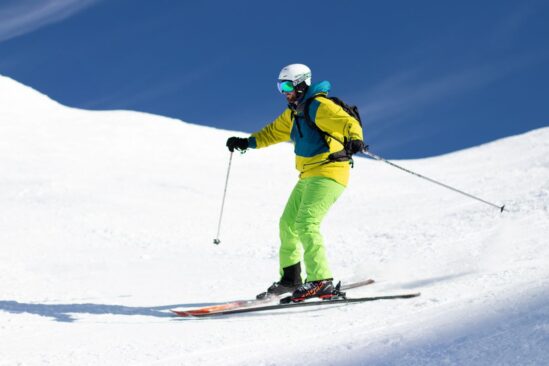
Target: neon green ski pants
300, 235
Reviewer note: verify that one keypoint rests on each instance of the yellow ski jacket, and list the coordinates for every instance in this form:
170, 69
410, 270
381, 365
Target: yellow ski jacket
311, 147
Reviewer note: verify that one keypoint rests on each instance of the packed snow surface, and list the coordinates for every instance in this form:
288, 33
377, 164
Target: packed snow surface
107, 221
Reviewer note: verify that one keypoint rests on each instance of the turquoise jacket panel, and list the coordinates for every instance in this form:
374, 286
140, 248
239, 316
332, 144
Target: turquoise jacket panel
307, 139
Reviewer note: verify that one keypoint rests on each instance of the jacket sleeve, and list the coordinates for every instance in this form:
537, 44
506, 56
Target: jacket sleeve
333, 119
277, 131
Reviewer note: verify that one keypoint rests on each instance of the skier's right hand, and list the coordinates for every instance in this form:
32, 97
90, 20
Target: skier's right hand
238, 143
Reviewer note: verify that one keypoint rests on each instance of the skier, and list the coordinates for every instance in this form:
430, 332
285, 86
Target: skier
323, 146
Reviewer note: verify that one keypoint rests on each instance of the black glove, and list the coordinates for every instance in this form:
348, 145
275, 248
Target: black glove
238, 143
354, 146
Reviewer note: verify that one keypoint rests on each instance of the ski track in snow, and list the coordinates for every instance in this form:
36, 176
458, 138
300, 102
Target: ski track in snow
108, 218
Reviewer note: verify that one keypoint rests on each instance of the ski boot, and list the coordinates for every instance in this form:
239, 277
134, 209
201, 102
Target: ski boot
290, 281
323, 289
277, 289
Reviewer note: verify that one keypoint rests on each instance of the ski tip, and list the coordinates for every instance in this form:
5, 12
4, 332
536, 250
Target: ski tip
350, 285
365, 282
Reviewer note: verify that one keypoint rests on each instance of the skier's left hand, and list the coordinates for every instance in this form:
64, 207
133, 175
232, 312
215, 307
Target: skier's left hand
355, 146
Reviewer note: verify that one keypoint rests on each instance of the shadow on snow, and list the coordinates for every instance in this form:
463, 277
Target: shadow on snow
514, 331
64, 312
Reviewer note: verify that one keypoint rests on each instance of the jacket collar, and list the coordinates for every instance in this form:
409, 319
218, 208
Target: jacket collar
322, 87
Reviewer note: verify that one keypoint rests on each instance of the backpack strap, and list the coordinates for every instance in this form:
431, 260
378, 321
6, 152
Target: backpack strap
313, 125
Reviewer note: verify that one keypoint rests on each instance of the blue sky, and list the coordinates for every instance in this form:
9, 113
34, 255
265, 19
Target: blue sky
429, 77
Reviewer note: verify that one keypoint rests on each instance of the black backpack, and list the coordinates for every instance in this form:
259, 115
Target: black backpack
351, 110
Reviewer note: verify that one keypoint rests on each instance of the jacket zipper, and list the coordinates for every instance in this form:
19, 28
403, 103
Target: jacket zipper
298, 127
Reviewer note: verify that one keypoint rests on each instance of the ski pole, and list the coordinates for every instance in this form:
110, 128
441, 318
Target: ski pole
216, 240
376, 157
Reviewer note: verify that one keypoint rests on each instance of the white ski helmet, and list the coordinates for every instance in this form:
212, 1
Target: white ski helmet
296, 73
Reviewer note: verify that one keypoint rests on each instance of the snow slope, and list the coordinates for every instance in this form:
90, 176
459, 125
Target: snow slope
107, 221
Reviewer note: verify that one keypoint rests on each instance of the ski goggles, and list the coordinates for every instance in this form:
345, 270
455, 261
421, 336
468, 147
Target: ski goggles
285, 86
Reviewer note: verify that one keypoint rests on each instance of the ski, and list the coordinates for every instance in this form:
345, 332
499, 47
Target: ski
239, 304
291, 305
